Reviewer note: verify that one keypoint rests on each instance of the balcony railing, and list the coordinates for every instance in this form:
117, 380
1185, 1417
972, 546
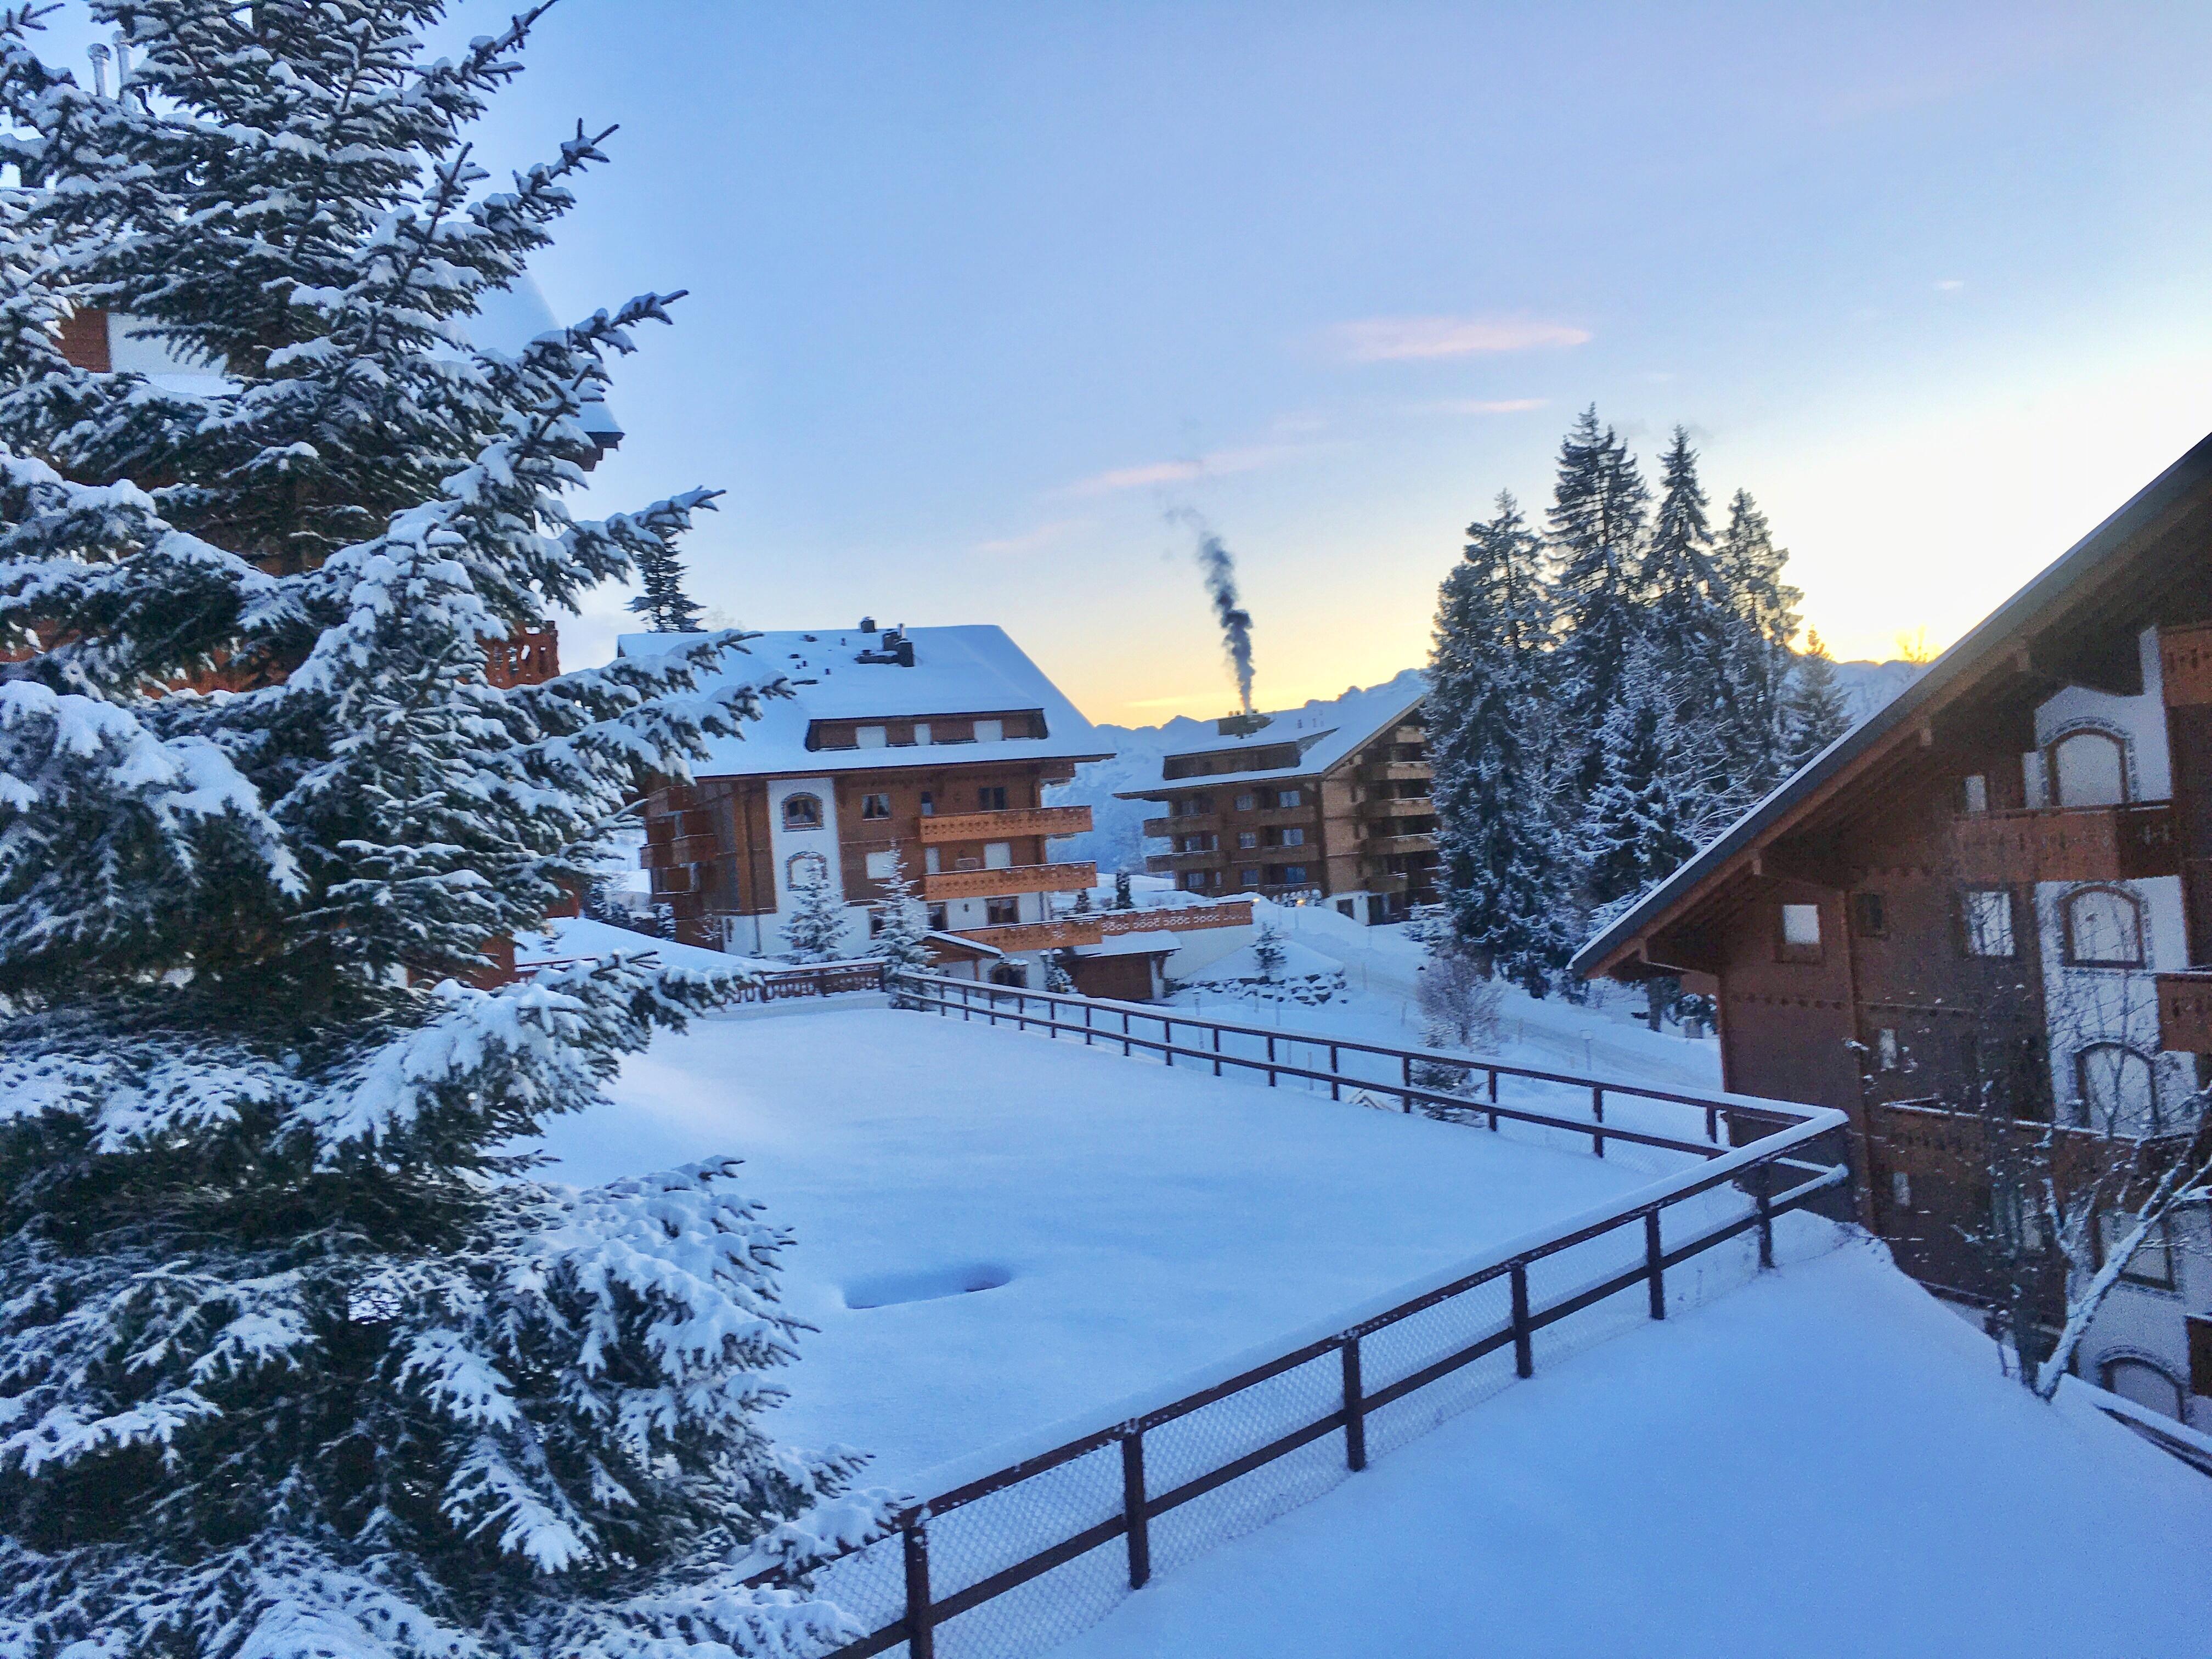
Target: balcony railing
2067, 843
1167, 864
1006, 882
1068, 932
1191, 824
1398, 806
679, 849
1000, 826
1231, 913
1376, 846
1399, 772
1061, 935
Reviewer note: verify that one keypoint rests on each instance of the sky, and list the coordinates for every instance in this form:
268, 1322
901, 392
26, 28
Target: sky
980, 295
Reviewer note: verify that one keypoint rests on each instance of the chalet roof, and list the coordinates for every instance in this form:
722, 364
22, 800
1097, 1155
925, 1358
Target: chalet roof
1326, 733
974, 670
2121, 538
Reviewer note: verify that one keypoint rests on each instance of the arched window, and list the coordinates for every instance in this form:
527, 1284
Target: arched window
804, 870
2089, 769
2117, 1091
2144, 1384
2104, 929
802, 813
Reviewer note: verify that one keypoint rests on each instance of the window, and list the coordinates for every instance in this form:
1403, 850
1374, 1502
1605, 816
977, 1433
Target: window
1293, 838
2144, 1384
1002, 912
1988, 915
1800, 933
1869, 915
1900, 1189
1885, 1048
2153, 1262
1291, 875
875, 806
2116, 1090
1248, 878
998, 855
1977, 791
1290, 798
922, 730
2104, 929
2090, 770
932, 860
928, 804
1246, 803
1247, 837
990, 730
802, 813
871, 737
804, 870
937, 915
882, 866
1345, 907
993, 799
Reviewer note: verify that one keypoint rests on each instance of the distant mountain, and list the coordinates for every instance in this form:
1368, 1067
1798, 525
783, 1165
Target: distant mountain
1116, 841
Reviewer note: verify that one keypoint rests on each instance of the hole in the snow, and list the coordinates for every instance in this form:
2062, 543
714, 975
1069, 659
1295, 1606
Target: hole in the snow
887, 1290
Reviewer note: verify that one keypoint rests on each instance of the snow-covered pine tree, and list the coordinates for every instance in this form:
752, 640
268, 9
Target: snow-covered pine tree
1814, 712
1268, 955
815, 930
1635, 830
1686, 634
666, 608
1487, 712
1596, 529
1763, 611
902, 940
295, 1355
1123, 898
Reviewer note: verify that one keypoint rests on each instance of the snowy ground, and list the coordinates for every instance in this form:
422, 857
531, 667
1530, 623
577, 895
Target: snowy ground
1822, 1463
997, 1233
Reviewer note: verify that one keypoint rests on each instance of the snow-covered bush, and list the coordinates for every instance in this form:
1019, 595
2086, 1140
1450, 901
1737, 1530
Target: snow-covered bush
815, 930
296, 1357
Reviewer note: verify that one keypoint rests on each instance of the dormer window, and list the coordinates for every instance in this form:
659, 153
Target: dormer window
990, 730
802, 813
871, 737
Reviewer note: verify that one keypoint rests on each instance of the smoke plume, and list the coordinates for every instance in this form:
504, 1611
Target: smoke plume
1220, 570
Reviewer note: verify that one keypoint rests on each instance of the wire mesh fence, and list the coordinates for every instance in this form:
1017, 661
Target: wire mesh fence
1010, 1565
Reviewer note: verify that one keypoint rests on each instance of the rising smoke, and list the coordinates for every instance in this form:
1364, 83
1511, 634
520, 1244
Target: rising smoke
1220, 570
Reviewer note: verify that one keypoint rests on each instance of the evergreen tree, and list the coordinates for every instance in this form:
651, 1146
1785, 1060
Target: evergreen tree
815, 930
1083, 901
1268, 953
1057, 977
1814, 712
902, 941
294, 1357
1763, 611
1596, 524
1488, 713
1635, 829
1123, 898
1686, 631
663, 603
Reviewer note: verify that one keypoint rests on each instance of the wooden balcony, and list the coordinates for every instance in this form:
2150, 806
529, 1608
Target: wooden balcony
1277, 816
1376, 846
1381, 881
1062, 935
1166, 864
1398, 771
679, 849
1004, 826
1395, 806
1007, 882
2072, 843
1192, 823
2185, 1011
1231, 913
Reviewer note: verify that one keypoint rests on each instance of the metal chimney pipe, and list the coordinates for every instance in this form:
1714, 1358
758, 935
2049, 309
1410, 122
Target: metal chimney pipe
122, 62
98, 53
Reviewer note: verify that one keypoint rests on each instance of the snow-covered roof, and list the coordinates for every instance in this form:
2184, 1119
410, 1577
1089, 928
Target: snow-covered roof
1325, 732
972, 670
1152, 942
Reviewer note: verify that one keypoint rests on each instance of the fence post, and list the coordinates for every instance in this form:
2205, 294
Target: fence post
1597, 1111
1132, 1509
1125, 1036
1655, 1264
1270, 1060
1766, 1221
1216, 1051
1355, 1409
1524, 1355
1493, 1099
920, 1634
1086, 1025
1713, 1124
1167, 1041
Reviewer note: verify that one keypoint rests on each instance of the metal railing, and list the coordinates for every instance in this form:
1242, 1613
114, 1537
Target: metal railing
771, 984
1016, 1560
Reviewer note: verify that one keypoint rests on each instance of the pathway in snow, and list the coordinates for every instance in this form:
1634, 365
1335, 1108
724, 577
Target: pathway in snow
1824, 1463
997, 1233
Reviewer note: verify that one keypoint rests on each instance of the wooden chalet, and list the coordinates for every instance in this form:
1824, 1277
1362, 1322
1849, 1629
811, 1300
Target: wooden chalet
2005, 874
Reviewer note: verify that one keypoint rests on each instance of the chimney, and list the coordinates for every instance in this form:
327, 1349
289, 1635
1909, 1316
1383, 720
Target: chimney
868, 624
99, 55
1242, 725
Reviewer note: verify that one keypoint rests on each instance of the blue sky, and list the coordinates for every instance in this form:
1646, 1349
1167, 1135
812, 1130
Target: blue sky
978, 291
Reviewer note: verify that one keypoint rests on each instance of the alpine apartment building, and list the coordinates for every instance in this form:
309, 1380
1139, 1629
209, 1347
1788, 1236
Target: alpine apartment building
1327, 802
2005, 874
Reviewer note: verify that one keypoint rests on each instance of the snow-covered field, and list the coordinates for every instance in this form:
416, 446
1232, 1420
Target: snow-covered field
997, 1233
1823, 1463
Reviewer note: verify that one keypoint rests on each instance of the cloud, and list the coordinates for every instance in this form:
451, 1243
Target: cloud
1398, 339
1211, 465
1483, 405
1033, 541
1950, 284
